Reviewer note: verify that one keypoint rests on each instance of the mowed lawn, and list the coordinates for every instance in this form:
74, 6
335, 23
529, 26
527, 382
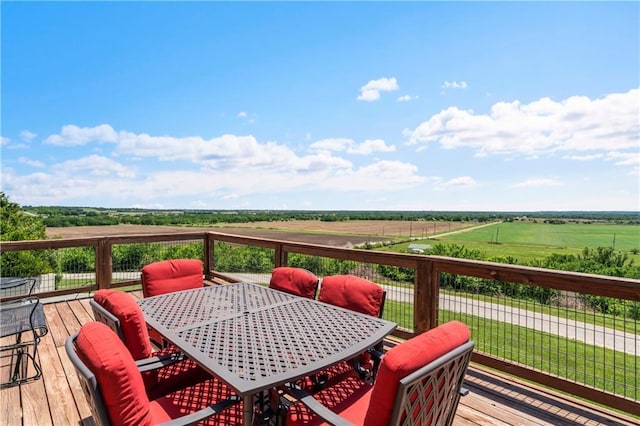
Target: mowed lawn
528, 240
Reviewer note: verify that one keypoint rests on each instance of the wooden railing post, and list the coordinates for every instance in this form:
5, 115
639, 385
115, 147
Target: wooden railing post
280, 256
104, 264
425, 297
208, 256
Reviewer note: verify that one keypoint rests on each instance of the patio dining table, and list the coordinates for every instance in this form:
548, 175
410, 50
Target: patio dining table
255, 338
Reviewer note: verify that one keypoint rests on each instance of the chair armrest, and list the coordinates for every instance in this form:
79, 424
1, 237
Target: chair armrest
161, 361
204, 413
315, 406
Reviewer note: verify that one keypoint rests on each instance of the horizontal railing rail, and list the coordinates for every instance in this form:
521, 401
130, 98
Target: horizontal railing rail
424, 291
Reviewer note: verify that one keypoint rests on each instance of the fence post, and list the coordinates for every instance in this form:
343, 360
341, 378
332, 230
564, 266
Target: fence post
208, 256
280, 256
425, 297
104, 264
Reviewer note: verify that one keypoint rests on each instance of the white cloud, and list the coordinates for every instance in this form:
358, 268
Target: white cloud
406, 98
227, 167
27, 136
4, 141
583, 157
349, 146
30, 162
371, 91
461, 181
372, 145
454, 85
332, 144
379, 176
575, 126
226, 152
72, 135
537, 183
440, 184
94, 165
242, 114
625, 159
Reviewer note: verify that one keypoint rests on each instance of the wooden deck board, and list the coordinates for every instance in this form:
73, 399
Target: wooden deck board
10, 410
61, 404
58, 399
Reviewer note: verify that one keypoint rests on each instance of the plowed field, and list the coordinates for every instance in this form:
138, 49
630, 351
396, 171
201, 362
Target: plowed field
338, 234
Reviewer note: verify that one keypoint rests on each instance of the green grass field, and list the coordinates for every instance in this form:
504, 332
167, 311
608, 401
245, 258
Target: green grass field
603, 368
528, 240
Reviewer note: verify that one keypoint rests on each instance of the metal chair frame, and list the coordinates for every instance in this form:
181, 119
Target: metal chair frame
19, 318
444, 375
91, 390
107, 318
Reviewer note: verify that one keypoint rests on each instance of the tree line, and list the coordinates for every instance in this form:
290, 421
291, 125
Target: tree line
56, 216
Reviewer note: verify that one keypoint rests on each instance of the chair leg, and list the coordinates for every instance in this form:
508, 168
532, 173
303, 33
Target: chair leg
16, 369
20, 360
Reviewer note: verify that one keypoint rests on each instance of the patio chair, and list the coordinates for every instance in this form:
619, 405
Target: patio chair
171, 275
296, 281
168, 276
22, 326
360, 295
114, 388
120, 312
419, 383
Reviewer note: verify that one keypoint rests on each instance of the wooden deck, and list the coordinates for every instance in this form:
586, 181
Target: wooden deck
57, 399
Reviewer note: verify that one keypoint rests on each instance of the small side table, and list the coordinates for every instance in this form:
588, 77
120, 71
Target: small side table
22, 323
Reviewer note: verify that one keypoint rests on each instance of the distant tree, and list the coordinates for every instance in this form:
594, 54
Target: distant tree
16, 225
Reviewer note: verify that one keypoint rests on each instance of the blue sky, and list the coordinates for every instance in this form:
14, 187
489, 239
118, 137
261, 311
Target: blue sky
467, 106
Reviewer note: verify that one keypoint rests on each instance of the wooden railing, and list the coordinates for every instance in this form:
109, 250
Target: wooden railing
425, 294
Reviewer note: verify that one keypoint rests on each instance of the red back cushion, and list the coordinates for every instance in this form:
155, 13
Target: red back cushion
296, 281
168, 276
351, 292
119, 380
406, 358
134, 328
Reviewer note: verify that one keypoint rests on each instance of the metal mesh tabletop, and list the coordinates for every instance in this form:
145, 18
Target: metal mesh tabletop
184, 308
261, 337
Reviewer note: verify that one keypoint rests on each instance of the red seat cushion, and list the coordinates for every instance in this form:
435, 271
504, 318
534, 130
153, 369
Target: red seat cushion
191, 399
134, 327
351, 292
349, 398
406, 358
168, 276
296, 281
119, 380
175, 376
